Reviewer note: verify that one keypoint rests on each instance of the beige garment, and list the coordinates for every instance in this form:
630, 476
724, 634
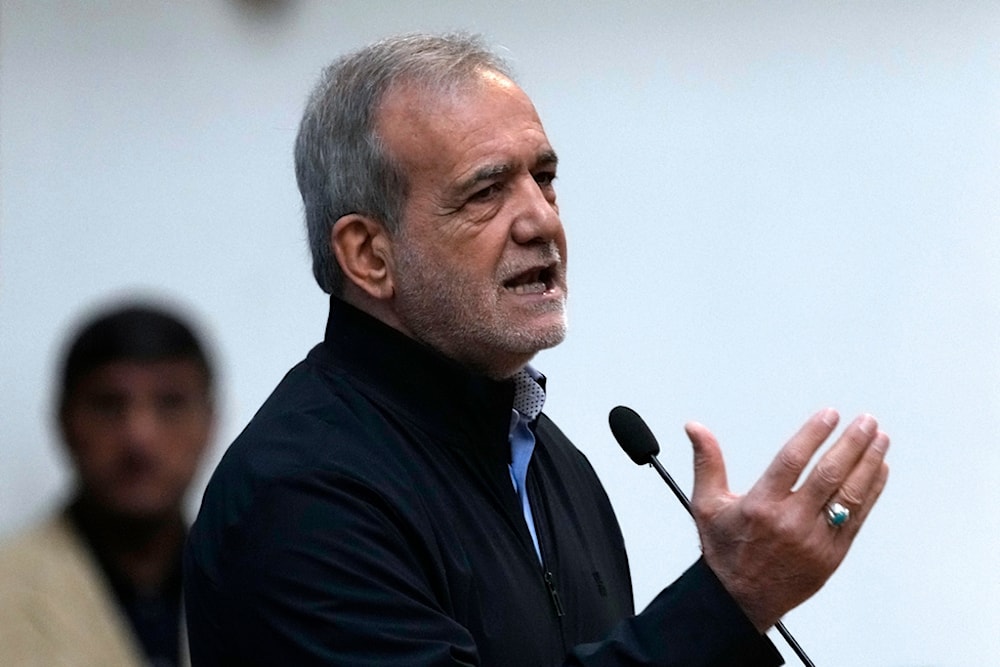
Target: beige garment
56, 608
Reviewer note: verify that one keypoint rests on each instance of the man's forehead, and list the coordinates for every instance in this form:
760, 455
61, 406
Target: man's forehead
442, 88
418, 102
127, 372
428, 125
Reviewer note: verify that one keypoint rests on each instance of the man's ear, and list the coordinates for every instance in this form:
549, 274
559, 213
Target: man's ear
364, 251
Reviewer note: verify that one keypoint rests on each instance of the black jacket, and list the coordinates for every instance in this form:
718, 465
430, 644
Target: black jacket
366, 516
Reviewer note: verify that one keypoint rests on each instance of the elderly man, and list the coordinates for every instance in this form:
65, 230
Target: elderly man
401, 499
99, 583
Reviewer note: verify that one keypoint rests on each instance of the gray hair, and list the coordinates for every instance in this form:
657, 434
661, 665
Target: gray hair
341, 164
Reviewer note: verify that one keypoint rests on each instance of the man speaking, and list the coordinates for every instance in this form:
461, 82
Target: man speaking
401, 498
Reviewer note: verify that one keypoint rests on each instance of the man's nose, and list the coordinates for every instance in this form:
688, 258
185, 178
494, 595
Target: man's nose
537, 216
141, 423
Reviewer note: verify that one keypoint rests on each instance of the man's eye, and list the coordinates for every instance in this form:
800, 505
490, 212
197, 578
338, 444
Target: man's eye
171, 402
544, 178
487, 192
106, 406
175, 406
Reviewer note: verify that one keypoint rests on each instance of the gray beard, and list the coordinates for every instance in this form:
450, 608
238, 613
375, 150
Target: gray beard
463, 321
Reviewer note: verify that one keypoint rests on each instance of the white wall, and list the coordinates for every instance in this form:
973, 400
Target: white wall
772, 207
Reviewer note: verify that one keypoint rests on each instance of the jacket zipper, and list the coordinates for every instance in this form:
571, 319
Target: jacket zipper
554, 594
541, 527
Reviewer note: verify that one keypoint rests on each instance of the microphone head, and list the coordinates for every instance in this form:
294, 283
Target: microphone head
633, 435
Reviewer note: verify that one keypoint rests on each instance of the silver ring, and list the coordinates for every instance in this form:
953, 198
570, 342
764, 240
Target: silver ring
837, 515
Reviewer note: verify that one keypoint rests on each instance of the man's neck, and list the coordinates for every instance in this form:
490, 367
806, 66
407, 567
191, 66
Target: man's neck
143, 552
382, 310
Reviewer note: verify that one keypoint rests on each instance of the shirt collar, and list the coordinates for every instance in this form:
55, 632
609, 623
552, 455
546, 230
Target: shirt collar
529, 393
415, 383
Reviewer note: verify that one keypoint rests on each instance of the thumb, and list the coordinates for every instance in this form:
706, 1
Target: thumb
709, 467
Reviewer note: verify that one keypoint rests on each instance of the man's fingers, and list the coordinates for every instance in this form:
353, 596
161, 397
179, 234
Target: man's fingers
792, 459
865, 483
874, 492
709, 467
844, 460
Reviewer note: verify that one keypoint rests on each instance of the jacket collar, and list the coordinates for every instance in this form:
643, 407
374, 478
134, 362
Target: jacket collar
417, 383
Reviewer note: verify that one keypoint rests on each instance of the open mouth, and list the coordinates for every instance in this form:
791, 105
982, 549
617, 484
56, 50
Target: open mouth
534, 281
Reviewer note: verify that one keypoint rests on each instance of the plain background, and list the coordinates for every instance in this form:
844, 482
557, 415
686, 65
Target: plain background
771, 207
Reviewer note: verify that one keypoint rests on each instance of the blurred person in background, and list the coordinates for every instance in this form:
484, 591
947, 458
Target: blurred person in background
99, 582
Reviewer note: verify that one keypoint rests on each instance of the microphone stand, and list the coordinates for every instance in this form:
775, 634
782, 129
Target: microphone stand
655, 462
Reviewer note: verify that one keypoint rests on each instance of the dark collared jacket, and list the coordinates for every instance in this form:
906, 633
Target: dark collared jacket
366, 516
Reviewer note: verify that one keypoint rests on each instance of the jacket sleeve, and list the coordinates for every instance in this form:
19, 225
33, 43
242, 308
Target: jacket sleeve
692, 623
318, 566
354, 593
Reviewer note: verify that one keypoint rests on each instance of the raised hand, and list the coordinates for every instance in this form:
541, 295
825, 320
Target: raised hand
775, 547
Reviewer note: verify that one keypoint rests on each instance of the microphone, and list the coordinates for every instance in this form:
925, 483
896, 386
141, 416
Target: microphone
640, 444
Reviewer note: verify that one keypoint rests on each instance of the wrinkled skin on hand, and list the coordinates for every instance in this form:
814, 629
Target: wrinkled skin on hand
772, 548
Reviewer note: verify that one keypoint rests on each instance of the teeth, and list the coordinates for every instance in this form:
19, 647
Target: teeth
529, 288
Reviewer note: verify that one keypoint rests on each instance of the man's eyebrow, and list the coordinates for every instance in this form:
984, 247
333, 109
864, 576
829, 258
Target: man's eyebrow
486, 173
546, 158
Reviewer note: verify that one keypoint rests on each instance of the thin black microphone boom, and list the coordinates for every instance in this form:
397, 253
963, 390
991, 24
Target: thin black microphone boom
640, 444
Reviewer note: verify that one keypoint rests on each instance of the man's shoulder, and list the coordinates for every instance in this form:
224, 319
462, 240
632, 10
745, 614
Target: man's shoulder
55, 607
315, 425
316, 435
50, 535
317, 390
41, 558
312, 409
